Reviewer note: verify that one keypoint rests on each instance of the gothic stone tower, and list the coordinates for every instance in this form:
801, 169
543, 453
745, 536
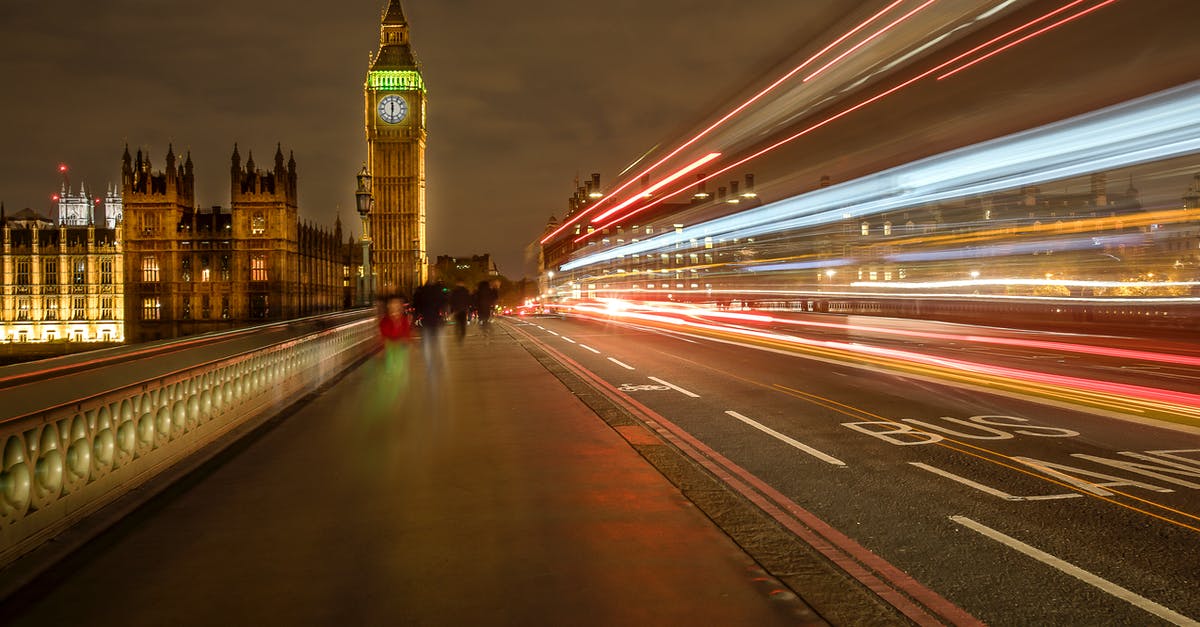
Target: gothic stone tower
265, 229
395, 123
155, 205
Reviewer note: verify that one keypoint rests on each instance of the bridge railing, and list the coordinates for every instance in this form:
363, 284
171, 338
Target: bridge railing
61, 464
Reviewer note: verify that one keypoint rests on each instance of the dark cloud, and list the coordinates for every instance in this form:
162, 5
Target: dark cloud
523, 95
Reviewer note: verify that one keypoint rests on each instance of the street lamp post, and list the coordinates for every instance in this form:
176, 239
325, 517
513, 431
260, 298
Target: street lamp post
363, 200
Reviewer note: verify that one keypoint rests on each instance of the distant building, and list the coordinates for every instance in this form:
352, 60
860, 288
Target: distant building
75, 208
62, 282
193, 270
470, 270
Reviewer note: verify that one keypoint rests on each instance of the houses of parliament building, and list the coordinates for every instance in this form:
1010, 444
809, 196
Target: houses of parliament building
150, 264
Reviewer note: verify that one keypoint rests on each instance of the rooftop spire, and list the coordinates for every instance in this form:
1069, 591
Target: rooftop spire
393, 15
394, 50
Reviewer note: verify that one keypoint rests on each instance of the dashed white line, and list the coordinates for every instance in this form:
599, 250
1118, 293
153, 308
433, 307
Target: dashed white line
992, 491
586, 347
1094, 580
675, 387
551, 332
567, 339
829, 459
622, 364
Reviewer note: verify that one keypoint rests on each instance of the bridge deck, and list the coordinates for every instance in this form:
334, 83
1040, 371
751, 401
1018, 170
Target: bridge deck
486, 495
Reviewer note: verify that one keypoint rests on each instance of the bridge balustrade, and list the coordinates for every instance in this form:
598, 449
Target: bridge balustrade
66, 462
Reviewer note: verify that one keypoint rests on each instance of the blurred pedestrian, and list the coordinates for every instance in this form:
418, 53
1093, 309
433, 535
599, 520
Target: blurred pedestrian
396, 330
487, 295
429, 305
460, 306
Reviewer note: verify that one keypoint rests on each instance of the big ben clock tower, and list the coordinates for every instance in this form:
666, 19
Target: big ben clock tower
395, 122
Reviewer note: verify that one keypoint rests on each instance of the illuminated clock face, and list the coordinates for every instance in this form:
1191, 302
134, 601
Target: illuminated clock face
393, 109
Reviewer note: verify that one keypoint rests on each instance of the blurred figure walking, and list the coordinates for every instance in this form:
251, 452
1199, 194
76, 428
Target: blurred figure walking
396, 330
460, 307
486, 297
429, 304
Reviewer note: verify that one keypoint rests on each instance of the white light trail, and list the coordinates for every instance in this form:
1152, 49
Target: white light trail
1157, 127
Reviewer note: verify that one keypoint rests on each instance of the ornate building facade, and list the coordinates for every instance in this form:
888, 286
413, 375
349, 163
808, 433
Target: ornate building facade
395, 101
62, 283
192, 270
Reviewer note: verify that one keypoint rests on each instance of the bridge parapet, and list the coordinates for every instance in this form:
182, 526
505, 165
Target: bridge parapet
59, 465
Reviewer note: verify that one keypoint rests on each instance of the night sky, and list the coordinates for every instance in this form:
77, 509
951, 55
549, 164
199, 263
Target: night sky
523, 95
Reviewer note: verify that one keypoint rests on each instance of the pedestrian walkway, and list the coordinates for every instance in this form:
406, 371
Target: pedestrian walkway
485, 495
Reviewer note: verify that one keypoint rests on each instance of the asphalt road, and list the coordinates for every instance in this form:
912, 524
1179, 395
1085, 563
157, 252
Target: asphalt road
1017, 510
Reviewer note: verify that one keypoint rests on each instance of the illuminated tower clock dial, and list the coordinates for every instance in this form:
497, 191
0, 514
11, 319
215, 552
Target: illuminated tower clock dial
393, 109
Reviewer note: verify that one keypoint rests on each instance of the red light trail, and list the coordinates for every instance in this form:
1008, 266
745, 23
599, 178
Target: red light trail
866, 41
1029, 36
661, 184
727, 116
874, 99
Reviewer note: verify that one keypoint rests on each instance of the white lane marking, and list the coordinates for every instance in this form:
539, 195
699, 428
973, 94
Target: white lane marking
621, 364
675, 387
992, 491
586, 347
829, 459
551, 332
567, 339
540, 327
1103, 584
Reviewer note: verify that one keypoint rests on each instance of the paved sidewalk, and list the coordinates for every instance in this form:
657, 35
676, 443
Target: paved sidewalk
486, 494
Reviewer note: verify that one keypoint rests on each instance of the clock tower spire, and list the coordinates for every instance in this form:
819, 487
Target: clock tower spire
395, 101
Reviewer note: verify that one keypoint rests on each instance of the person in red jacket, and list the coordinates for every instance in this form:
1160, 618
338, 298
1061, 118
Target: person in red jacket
396, 330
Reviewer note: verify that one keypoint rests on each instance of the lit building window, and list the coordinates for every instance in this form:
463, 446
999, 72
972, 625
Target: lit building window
52, 309
79, 271
258, 224
106, 271
186, 268
151, 309
23, 272
23, 309
865, 228
106, 308
50, 272
150, 269
887, 228
78, 308
258, 268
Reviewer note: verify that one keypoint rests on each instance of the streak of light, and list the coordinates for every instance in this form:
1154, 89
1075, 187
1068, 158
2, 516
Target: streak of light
1106, 394
906, 285
1160, 126
726, 117
866, 41
695, 165
1087, 349
1066, 20
824, 122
